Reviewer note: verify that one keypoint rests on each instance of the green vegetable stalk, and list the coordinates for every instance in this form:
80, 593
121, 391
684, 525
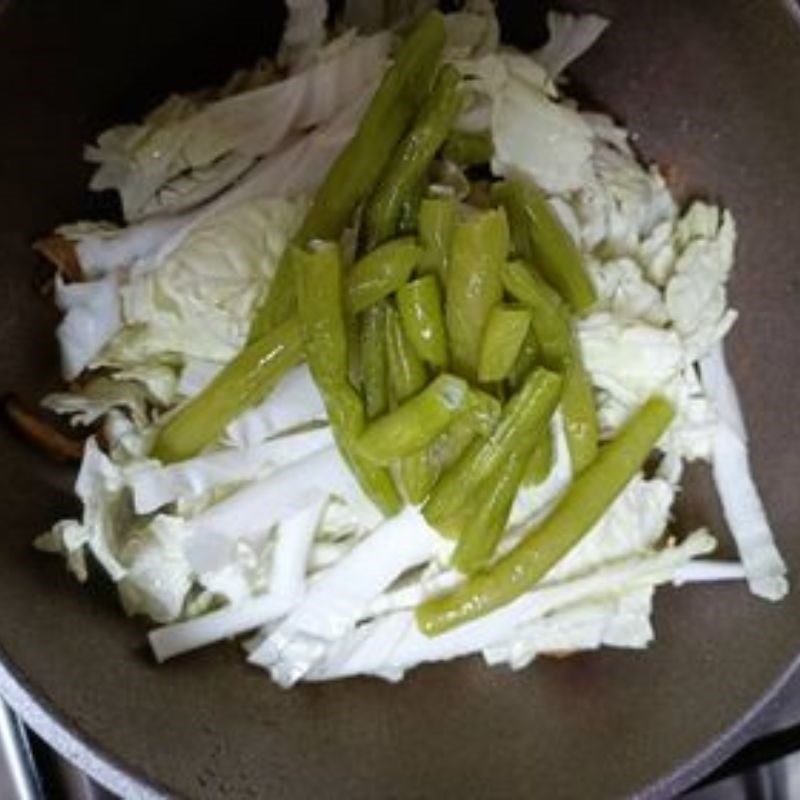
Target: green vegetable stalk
541, 461
580, 508
407, 373
320, 302
407, 168
488, 515
374, 367
468, 149
381, 273
359, 166
559, 350
246, 381
527, 359
420, 306
436, 226
421, 471
415, 423
506, 331
525, 416
539, 237
474, 287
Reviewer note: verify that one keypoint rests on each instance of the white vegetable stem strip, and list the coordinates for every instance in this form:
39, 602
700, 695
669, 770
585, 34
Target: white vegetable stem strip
156, 485
340, 596
183, 637
251, 512
286, 587
355, 654
744, 511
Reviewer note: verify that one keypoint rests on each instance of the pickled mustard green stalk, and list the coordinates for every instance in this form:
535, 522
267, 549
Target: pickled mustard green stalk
374, 368
417, 475
407, 376
436, 226
409, 164
420, 306
320, 302
469, 149
408, 219
540, 238
490, 509
473, 286
506, 330
559, 350
527, 359
541, 461
415, 423
246, 381
407, 373
381, 273
549, 318
526, 414
357, 169
420, 471
579, 509
581, 426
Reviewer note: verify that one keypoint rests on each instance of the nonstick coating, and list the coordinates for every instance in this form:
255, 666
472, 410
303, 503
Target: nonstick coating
713, 89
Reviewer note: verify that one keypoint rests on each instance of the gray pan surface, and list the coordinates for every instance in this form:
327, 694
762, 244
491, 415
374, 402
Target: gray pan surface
713, 88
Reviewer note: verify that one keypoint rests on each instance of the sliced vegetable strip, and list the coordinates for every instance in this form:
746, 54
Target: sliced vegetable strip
541, 461
505, 334
436, 226
420, 306
407, 373
559, 350
489, 512
582, 505
415, 423
320, 303
381, 273
357, 169
480, 246
526, 414
401, 180
540, 238
421, 470
374, 367
246, 381
527, 359
468, 149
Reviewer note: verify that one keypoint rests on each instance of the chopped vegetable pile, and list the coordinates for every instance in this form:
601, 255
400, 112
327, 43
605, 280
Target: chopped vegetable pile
399, 356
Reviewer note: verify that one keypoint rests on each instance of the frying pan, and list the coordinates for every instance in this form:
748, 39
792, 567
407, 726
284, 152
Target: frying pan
713, 88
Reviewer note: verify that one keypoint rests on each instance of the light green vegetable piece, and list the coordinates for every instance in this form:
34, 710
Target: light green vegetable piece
359, 166
407, 373
559, 350
506, 330
420, 306
468, 149
374, 363
480, 246
541, 461
415, 423
525, 415
320, 302
539, 237
246, 381
436, 226
381, 273
579, 509
408, 166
